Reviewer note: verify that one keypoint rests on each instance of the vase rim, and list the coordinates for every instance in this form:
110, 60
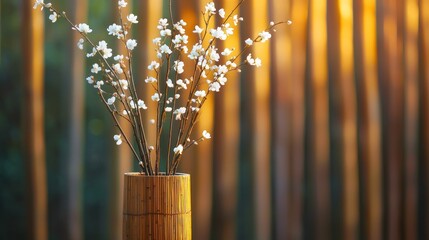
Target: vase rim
162, 174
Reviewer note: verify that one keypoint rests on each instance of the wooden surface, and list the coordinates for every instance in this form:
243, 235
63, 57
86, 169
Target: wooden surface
157, 207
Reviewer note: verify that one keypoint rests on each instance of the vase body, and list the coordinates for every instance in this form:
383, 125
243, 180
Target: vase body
157, 207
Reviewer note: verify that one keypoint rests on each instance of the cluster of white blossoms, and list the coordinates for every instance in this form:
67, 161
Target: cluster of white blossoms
182, 76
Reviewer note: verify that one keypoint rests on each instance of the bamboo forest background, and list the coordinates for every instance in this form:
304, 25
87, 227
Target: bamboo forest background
328, 140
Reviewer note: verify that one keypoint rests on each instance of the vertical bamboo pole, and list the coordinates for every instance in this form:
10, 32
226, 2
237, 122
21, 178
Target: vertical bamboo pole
350, 192
369, 114
411, 23
320, 137
260, 112
299, 38
391, 81
34, 148
282, 90
225, 145
123, 161
75, 231
424, 94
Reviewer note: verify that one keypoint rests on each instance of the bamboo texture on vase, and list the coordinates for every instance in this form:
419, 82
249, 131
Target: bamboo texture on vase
157, 207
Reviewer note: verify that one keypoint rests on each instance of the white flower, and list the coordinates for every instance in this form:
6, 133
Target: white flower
222, 69
178, 66
122, 3
155, 97
131, 44
150, 80
83, 28
157, 41
222, 80
289, 22
170, 83
53, 17
80, 43
218, 33
181, 84
141, 104
118, 57
226, 52
153, 65
168, 109
117, 68
210, 8
95, 68
214, 87
237, 19
165, 32
124, 83
98, 84
197, 29
196, 51
249, 41
117, 138
178, 149
132, 18
258, 62
38, 3
264, 36
179, 112
162, 23
214, 55
111, 100
115, 30
90, 79
206, 135
102, 47
222, 13
201, 93
165, 49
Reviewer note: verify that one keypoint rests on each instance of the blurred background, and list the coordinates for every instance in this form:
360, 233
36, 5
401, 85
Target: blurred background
328, 140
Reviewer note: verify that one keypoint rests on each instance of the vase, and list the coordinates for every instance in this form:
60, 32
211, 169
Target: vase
157, 207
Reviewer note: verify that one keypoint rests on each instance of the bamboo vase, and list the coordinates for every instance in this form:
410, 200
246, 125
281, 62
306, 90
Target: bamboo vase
157, 207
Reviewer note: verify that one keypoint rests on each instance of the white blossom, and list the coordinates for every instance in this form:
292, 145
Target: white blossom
222, 13
53, 17
210, 8
102, 47
179, 112
80, 43
118, 57
39, 3
222, 80
162, 23
249, 41
226, 52
200, 93
117, 68
90, 79
155, 97
218, 33
115, 30
178, 149
165, 49
214, 87
178, 66
131, 44
124, 83
122, 3
141, 104
98, 84
83, 28
181, 84
289, 22
111, 100
197, 29
168, 109
206, 135
132, 18
196, 51
214, 55
95, 68
236, 19
153, 65
157, 41
264, 36
117, 139
170, 83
